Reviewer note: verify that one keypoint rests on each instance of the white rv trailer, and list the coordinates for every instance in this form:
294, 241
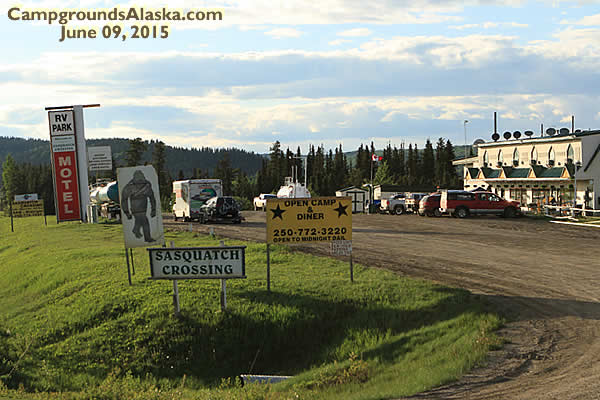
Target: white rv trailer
191, 194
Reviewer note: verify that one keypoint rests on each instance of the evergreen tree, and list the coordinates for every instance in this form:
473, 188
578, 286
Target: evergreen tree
383, 175
159, 164
452, 177
224, 172
428, 164
136, 150
410, 166
440, 162
10, 179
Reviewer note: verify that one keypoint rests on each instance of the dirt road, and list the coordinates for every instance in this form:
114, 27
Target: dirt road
545, 277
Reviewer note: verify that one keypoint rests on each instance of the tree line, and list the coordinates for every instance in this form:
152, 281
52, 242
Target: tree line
326, 171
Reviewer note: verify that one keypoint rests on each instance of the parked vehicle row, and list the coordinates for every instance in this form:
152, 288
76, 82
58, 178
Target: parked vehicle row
458, 203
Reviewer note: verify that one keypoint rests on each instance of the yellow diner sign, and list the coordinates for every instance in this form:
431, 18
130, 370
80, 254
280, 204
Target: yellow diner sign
309, 220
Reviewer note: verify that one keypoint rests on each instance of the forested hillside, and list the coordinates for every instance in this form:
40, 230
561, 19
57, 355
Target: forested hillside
188, 161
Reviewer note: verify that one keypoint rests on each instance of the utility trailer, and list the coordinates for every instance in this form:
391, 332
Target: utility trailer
191, 194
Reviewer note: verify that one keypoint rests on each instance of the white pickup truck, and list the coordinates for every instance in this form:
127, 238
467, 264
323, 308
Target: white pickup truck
260, 201
394, 205
402, 203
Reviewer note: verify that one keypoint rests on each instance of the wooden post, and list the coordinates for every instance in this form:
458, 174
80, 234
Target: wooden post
223, 295
128, 270
176, 294
351, 269
268, 267
223, 287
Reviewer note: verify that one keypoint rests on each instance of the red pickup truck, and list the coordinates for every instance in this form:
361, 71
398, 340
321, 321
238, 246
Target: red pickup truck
461, 203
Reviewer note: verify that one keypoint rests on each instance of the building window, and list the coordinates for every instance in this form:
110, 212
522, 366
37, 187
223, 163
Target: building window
516, 158
551, 157
534, 156
486, 160
500, 158
570, 154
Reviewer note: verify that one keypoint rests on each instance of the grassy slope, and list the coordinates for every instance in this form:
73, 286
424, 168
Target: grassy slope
81, 327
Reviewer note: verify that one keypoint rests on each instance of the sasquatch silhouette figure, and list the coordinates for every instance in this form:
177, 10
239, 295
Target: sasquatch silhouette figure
137, 192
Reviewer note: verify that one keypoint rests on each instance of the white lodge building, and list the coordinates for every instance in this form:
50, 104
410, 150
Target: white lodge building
539, 170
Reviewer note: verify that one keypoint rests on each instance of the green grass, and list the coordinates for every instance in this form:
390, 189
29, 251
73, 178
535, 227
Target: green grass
71, 324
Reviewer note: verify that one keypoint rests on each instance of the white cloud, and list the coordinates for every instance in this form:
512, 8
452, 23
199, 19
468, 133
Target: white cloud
588, 20
489, 25
280, 33
338, 42
357, 32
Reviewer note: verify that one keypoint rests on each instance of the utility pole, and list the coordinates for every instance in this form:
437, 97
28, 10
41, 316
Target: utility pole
465, 127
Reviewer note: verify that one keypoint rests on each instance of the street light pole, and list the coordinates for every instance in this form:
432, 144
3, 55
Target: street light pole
465, 126
576, 166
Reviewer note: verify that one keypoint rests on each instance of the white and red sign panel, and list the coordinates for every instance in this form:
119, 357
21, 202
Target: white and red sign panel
64, 164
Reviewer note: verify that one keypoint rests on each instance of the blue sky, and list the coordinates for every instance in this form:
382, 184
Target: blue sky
329, 72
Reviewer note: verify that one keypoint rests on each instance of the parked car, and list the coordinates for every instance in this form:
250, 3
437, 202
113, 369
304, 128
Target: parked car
394, 205
221, 209
412, 201
260, 201
461, 204
430, 205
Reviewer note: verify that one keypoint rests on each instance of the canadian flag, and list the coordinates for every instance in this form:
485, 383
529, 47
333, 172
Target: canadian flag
375, 157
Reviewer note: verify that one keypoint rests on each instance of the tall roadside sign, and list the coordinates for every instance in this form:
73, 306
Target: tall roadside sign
69, 162
64, 165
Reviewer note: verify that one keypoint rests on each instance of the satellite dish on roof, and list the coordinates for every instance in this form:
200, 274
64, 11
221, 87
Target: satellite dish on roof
528, 133
564, 131
477, 142
577, 130
516, 134
495, 136
507, 135
550, 131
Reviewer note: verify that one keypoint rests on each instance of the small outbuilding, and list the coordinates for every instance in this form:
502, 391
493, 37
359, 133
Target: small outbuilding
360, 197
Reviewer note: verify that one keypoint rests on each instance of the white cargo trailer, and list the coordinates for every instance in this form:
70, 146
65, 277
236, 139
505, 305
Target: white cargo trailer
191, 194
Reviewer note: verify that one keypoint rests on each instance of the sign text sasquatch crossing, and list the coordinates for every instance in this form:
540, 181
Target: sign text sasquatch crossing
309, 220
197, 262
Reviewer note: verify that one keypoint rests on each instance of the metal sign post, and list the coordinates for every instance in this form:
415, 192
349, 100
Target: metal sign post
268, 267
128, 269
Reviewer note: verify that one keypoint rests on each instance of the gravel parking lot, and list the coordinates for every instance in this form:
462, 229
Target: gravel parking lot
545, 277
